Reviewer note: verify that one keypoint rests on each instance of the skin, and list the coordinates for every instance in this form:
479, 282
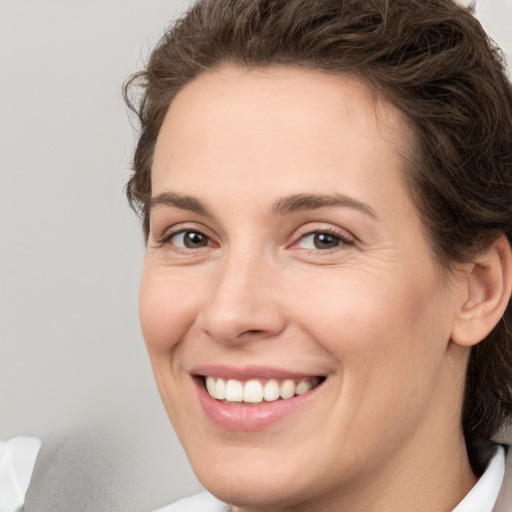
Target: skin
374, 314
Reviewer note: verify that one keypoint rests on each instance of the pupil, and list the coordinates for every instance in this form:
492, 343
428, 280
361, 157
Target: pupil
192, 240
325, 241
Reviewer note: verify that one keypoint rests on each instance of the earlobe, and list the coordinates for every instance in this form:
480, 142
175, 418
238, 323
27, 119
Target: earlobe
489, 287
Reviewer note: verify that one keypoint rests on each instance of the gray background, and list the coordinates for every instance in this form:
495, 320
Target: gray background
71, 354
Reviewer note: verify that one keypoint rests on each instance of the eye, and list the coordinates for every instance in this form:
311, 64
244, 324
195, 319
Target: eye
188, 239
322, 240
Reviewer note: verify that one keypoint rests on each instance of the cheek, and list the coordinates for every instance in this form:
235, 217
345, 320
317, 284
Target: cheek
388, 339
361, 319
166, 312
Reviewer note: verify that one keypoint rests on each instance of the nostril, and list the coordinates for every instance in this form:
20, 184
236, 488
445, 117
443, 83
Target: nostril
252, 335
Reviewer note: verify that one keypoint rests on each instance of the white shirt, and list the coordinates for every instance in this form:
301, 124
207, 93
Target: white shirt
481, 498
17, 458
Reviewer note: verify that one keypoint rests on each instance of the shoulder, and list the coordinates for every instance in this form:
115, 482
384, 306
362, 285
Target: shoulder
201, 502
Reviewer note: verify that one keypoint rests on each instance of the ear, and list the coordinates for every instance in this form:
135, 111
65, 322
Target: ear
489, 287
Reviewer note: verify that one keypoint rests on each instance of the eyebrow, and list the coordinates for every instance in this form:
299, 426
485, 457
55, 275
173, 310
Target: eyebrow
283, 206
301, 202
179, 201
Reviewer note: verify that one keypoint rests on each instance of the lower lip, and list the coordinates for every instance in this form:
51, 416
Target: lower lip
250, 417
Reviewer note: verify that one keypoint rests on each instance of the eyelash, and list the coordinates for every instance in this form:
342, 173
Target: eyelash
167, 237
341, 239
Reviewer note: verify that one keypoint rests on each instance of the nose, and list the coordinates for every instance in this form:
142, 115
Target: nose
242, 304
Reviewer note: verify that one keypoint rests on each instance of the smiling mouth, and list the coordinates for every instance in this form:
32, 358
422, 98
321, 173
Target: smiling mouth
257, 391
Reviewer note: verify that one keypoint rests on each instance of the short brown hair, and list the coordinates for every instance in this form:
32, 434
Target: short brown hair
435, 63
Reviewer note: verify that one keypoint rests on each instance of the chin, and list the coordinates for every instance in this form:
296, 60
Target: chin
259, 475
252, 487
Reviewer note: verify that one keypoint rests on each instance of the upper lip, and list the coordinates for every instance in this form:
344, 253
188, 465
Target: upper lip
249, 372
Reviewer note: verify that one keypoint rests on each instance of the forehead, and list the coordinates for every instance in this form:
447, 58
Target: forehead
283, 116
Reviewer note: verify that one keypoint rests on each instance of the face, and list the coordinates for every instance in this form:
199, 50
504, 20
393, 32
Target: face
287, 270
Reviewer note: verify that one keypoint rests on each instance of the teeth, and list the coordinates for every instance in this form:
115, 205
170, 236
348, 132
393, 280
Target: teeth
287, 389
210, 386
271, 390
220, 389
303, 387
254, 391
216, 387
234, 391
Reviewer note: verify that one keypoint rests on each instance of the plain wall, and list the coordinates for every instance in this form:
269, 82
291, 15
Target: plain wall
71, 352
72, 358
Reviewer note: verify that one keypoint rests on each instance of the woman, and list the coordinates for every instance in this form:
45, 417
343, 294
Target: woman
326, 194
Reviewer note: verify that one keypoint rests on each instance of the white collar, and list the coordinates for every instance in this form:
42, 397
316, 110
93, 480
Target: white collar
483, 496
